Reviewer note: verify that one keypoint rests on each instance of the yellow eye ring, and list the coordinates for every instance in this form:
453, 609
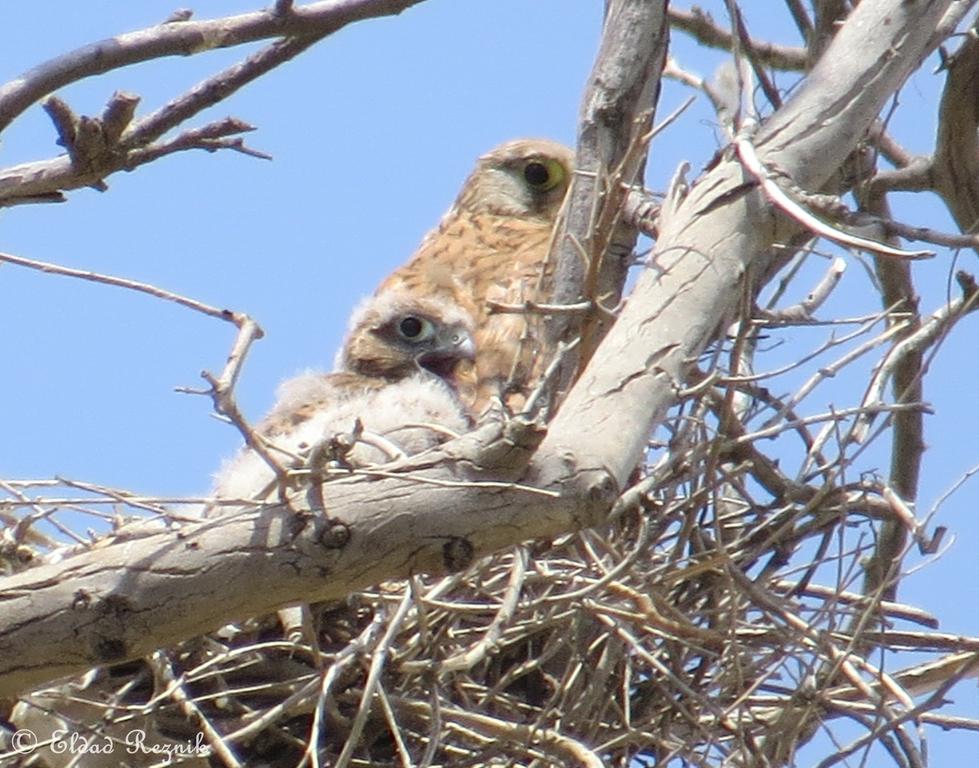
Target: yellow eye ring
543, 174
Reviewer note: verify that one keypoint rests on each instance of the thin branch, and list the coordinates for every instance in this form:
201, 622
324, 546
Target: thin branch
163, 667
805, 309
699, 25
43, 181
184, 38
214, 90
132, 285
793, 209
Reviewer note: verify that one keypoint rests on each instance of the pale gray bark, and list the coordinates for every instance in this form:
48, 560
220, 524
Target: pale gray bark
124, 599
152, 588
709, 238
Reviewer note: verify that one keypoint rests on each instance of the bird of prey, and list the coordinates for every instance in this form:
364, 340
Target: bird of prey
491, 247
393, 393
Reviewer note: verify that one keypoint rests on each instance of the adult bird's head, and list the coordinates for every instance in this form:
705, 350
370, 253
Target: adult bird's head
525, 177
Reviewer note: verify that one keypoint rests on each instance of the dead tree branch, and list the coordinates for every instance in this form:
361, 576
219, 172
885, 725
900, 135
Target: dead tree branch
112, 600
183, 38
708, 239
98, 147
699, 25
594, 245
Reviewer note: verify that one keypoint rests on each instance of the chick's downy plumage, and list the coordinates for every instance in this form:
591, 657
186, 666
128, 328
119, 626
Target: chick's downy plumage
394, 383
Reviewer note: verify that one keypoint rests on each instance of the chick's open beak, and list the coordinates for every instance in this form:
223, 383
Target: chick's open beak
454, 344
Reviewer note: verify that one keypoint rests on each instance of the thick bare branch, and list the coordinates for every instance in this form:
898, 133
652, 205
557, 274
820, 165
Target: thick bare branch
150, 587
708, 239
594, 246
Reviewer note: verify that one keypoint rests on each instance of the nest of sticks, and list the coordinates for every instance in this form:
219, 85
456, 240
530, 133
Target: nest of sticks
727, 614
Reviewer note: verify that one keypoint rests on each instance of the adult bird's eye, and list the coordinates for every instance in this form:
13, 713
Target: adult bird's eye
543, 175
411, 328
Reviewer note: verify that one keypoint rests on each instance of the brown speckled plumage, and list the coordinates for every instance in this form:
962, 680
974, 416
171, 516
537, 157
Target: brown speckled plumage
491, 246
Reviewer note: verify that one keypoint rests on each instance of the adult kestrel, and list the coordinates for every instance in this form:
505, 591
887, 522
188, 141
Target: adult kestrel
394, 389
491, 247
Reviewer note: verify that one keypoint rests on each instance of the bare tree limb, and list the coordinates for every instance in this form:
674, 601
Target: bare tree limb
898, 293
113, 600
182, 38
98, 147
955, 167
592, 260
699, 25
640, 367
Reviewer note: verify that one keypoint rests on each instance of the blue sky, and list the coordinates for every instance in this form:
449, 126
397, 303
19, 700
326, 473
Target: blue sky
372, 132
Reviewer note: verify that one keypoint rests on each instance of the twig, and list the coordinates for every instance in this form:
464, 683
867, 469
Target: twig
804, 310
43, 181
891, 609
567, 750
966, 476
508, 605
163, 667
702, 28
932, 330
211, 138
133, 285
222, 386
890, 723
891, 228
536, 307
788, 206
379, 658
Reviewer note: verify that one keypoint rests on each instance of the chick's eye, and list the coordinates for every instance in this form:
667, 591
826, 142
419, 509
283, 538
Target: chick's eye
543, 175
411, 328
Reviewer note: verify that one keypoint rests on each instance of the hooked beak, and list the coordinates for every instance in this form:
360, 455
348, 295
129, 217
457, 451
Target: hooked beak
454, 344
466, 347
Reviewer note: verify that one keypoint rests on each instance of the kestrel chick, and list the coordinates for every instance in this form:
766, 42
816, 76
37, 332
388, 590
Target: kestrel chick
492, 246
395, 376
